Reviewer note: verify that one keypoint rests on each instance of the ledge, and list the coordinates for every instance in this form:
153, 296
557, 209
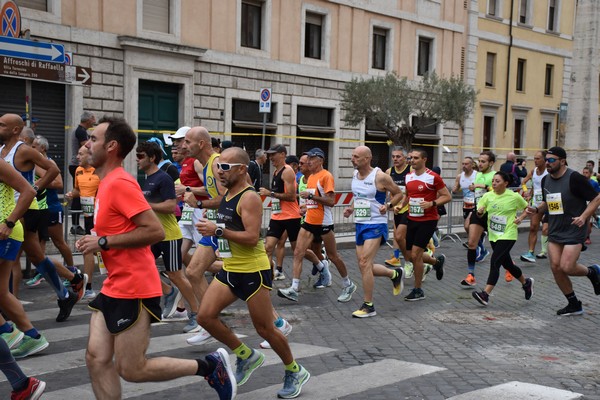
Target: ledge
154, 45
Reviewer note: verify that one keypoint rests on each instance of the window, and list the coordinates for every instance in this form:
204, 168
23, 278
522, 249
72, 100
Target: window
520, 75
251, 24
156, 16
492, 10
488, 132
424, 56
524, 12
546, 135
549, 79
552, 16
313, 32
490, 70
314, 124
519, 132
247, 122
41, 5
379, 48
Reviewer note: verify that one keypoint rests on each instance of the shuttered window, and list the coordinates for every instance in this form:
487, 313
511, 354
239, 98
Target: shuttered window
156, 15
490, 70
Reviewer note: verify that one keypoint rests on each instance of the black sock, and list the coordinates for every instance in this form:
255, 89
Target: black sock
205, 368
571, 298
279, 269
76, 279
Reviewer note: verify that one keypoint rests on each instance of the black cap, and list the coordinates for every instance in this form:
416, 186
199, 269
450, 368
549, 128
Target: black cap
292, 159
558, 152
225, 144
278, 148
315, 152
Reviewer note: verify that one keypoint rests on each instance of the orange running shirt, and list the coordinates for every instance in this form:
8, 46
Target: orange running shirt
86, 181
319, 184
132, 273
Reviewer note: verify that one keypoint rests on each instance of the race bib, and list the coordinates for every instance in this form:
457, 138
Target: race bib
87, 206
186, 215
362, 210
414, 207
275, 206
469, 201
555, 205
224, 251
498, 224
537, 198
310, 203
479, 192
211, 215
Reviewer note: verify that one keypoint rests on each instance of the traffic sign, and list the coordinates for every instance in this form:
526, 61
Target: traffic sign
45, 71
11, 20
265, 101
32, 50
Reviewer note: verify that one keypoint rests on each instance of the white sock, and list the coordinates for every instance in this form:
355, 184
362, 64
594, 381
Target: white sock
346, 281
295, 284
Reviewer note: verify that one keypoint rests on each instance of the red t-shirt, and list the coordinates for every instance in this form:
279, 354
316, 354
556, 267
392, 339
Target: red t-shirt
132, 273
423, 187
189, 177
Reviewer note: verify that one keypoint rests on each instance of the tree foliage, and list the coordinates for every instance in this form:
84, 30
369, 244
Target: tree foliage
389, 102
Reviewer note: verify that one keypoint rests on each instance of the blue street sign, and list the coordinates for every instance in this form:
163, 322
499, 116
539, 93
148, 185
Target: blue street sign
31, 50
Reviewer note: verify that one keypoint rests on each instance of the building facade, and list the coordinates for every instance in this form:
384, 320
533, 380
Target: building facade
166, 63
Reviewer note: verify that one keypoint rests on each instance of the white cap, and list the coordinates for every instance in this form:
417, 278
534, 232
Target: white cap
180, 134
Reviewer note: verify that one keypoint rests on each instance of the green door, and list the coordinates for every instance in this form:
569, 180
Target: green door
158, 111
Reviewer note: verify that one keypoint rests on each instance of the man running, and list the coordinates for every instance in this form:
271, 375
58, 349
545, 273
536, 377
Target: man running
425, 191
130, 297
369, 188
535, 197
566, 194
246, 275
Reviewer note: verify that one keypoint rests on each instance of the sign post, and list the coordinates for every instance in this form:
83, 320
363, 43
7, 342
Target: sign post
264, 108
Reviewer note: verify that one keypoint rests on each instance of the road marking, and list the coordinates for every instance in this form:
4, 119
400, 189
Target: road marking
333, 385
84, 392
518, 390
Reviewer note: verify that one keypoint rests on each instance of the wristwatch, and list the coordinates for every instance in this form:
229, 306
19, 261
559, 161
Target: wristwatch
310, 196
219, 231
199, 203
188, 189
36, 188
272, 193
103, 243
9, 224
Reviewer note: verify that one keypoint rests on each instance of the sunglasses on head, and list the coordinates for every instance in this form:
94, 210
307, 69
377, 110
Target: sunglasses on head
552, 159
227, 166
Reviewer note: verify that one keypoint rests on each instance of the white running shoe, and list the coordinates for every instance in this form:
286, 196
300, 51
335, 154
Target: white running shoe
286, 329
199, 339
177, 316
279, 275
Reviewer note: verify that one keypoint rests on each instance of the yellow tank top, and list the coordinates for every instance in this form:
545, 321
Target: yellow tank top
7, 205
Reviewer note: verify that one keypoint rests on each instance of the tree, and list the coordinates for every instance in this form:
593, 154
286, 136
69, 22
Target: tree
389, 102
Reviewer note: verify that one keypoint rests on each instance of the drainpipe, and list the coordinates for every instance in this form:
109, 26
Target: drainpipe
510, 45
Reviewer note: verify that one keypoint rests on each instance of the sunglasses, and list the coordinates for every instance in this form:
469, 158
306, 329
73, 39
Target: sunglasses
140, 156
227, 166
551, 160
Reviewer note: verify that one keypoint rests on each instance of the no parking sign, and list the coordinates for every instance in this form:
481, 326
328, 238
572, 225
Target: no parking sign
265, 101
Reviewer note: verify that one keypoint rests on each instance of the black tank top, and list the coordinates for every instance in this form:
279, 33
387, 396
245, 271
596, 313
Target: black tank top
227, 213
398, 177
278, 186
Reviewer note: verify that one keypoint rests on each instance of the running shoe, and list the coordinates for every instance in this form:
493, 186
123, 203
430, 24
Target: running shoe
482, 255
528, 257
324, 278
482, 297
346, 294
286, 329
89, 295
279, 275
365, 311
468, 282
426, 270
33, 391
29, 346
66, 306
222, 378
393, 262
35, 281
398, 282
192, 325
292, 383
541, 255
171, 301
528, 288
508, 277
245, 368
13, 338
571, 310
415, 294
79, 287
315, 268
595, 277
201, 337
409, 270
439, 267
177, 316
288, 293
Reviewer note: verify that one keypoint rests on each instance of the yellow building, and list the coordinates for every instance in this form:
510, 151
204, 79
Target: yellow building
524, 57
